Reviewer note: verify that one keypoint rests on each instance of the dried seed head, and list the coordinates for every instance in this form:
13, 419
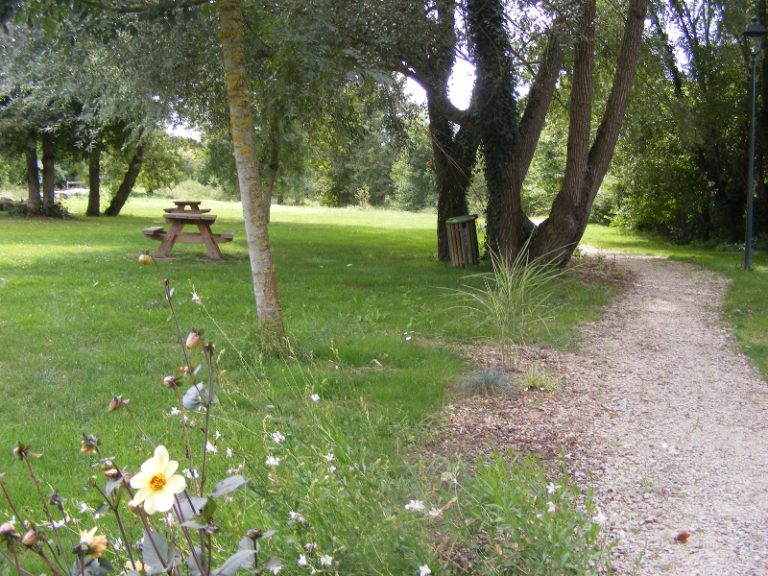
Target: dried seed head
116, 403
89, 444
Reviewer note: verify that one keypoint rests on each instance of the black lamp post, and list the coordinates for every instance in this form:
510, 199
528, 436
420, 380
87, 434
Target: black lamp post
754, 35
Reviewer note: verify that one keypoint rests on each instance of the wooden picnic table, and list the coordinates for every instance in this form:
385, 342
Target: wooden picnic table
188, 212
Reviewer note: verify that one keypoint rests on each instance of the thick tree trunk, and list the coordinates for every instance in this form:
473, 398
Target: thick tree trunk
126, 186
49, 174
497, 121
454, 158
508, 227
33, 178
558, 236
255, 202
94, 182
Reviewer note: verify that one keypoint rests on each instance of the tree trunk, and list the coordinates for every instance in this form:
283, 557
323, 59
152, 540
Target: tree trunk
126, 186
255, 203
49, 174
33, 178
454, 157
497, 121
558, 236
94, 182
511, 149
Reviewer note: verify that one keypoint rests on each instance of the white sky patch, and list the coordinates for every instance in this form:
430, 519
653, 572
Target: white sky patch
184, 131
459, 86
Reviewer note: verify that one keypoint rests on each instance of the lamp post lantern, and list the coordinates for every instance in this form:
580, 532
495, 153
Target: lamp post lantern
754, 35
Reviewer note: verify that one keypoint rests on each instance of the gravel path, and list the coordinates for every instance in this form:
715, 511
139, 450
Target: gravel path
685, 426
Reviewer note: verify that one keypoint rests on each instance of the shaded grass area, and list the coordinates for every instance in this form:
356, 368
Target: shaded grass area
372, 330
746, 302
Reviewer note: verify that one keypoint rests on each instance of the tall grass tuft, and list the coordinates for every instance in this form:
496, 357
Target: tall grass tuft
512, 298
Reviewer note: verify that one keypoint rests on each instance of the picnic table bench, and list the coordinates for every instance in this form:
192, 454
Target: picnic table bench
188, 212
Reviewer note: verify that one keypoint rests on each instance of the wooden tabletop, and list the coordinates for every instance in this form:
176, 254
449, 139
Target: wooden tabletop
188, 215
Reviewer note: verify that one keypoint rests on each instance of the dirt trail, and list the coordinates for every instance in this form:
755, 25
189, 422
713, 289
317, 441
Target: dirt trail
684, 422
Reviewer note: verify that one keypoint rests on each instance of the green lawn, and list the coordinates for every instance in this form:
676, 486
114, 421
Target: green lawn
373, 326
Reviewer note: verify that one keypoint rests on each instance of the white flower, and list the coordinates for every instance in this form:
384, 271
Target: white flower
599, 517
315, 397
415, 506
551, 488
277, 437
175, 411
296, 517
310, 546
190, 473
272, 461
217, 435
302, 561
83, 508
434, 512
424, 570
196, 298
230, 454
326, 560
551, 507
211, 448
329, 457
331, 469
157, 483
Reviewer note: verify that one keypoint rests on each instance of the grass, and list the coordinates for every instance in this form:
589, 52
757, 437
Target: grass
371, 328
746, 302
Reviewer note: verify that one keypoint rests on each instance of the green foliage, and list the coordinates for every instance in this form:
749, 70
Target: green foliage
413, 180
516, 522
163, 165
54, 210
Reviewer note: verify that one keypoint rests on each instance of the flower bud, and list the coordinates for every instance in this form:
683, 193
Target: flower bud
171, 382
193, 339
145, 259
254, 534
8, 532
30, 538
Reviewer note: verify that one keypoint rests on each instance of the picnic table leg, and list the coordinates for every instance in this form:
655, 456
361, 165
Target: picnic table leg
174, 229
210, 242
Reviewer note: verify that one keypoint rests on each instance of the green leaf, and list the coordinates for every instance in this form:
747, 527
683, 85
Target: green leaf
229, 484
156, 553
192, 400
193, 507
239, 560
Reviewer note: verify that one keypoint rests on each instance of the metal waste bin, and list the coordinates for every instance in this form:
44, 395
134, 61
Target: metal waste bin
462, 240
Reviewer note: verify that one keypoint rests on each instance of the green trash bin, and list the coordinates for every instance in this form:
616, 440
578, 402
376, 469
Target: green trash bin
462, 240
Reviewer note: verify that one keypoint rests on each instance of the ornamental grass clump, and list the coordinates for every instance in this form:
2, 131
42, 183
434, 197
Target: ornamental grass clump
513, 298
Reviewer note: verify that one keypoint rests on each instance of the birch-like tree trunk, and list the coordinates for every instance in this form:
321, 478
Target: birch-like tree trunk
255, 201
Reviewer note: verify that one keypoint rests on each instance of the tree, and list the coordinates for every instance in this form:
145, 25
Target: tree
255, 200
